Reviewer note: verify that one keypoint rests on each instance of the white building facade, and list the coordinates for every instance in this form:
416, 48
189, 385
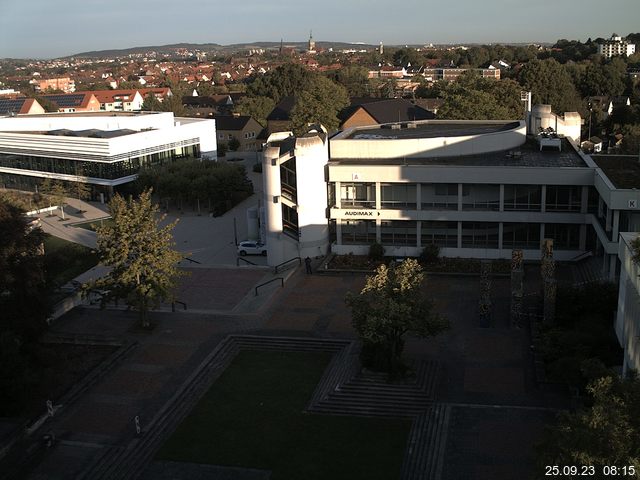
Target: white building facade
102, 150
475, 189
616, 46
628, 316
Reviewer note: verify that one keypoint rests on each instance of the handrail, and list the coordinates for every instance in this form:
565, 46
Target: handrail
275, 270
244, 260
581, 256
192, 260
270, 281
173, 305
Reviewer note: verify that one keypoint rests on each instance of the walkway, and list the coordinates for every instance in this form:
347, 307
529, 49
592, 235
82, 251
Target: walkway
491, 410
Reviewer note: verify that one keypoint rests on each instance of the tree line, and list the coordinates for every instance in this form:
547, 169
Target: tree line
209, 186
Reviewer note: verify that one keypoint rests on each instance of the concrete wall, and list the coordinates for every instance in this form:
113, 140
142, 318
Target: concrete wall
627, 324
450, 146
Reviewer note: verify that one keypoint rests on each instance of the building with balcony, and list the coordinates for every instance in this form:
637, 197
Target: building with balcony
615, 46
104, 150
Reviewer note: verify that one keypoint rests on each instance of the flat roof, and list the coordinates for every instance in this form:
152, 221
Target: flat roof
526, 155
622, 170
428, 129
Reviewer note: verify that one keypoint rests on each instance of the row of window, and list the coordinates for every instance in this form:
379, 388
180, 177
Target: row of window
472, 234
110, 171
473, 197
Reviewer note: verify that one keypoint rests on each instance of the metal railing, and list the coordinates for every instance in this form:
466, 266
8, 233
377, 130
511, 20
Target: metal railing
192, 260
270, 281
244, 260
277, 267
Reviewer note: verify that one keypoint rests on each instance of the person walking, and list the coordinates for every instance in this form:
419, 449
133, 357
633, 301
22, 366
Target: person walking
307, 264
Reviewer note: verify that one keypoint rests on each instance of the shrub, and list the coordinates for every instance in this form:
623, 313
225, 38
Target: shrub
430, 254
376, 251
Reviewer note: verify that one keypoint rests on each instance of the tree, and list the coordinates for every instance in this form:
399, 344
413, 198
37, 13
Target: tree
234, 144
550, 83
355, 79
22, 281
391, 305
257, 107
472, 97
151, 103
320, 102
143, 263
406, 56
606, 433
286, 80
56, 191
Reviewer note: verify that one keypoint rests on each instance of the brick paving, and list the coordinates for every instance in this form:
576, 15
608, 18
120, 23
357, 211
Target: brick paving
482, 366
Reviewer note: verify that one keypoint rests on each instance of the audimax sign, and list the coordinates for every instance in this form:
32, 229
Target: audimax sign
361, 213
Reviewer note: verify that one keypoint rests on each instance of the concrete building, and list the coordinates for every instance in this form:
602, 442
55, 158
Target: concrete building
628, 316
615, 46
66, 84
103, 150
477, 189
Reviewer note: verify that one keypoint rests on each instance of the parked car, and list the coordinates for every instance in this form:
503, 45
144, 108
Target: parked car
250, 247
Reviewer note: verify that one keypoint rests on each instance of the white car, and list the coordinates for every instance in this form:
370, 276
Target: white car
250, 247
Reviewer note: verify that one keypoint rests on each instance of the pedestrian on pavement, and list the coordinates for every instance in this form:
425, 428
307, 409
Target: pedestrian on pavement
307, 264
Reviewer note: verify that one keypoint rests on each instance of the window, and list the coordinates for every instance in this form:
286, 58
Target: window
523, 197
442, 234
358, 232
398, 195
565, 236
398, 232
521, 235
563, 198
358, 195
479, 235
290, 221
481, 197
439, 196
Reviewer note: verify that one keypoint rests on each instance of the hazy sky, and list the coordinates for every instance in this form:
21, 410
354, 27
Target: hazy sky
45, 29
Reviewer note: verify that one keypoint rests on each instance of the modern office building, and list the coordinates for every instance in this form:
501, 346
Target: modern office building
105, 150
477, 189
628, 315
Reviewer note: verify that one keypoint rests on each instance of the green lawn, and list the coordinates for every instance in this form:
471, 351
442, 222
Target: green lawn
253, 417
66, 260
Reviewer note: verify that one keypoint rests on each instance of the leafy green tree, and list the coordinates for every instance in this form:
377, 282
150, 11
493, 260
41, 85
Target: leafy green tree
391, 305
283, 81
23, 290
151, 104
234, 144
472, 97
140, 253
604, 78
320, 102
603, 434
355, 79
57, 192
258, 108
406, 56
550, 83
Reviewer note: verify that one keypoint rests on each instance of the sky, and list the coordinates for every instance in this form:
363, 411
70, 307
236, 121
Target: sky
49, 29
